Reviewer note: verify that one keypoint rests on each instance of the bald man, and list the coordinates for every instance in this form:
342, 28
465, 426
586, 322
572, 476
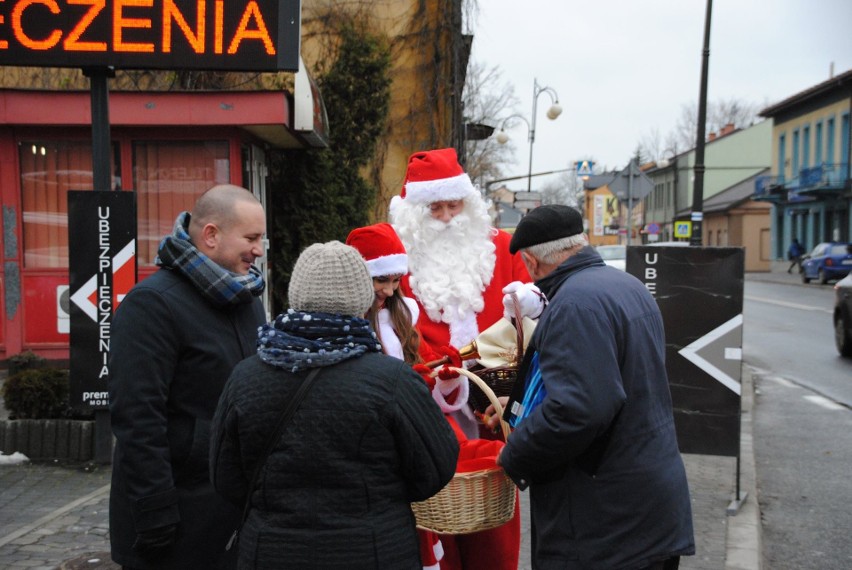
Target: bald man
175, 338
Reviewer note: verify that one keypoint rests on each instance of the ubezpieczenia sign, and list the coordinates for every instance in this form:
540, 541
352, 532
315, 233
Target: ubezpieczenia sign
247, 35
102, 269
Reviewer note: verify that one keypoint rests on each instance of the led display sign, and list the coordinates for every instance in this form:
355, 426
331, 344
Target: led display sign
236, 35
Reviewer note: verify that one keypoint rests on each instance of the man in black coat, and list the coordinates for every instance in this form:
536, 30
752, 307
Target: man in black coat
175, 339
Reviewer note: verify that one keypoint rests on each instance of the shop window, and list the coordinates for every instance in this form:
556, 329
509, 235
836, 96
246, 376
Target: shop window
49, 169
168, 177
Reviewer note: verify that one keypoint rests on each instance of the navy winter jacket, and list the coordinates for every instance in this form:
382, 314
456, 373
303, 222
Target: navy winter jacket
608, 488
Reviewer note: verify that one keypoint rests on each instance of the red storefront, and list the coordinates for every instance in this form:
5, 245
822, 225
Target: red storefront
167, 147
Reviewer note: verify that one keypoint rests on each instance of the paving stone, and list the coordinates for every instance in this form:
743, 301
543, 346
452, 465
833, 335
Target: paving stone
78, 538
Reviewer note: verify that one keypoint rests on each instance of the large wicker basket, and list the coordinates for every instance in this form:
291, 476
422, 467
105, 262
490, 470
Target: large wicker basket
471, 502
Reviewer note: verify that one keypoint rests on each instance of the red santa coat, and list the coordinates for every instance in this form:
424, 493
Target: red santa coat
499, 548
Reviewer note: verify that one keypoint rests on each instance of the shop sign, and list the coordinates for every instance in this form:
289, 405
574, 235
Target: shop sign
247, 35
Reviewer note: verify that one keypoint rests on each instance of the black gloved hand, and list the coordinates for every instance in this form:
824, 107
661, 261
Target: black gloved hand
155, 540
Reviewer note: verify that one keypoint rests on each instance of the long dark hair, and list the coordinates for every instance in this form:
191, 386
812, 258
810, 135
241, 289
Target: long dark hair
401, 321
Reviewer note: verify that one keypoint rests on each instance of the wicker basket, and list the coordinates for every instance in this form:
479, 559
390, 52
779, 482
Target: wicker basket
471, 502
501, 379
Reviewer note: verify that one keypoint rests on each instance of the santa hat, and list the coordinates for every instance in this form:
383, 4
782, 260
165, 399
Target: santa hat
381, 249
435, 176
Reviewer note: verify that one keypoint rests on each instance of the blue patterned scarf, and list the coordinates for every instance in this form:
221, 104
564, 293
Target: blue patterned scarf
221, 286
297, 340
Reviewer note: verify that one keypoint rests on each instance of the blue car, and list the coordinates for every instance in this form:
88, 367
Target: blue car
827, 262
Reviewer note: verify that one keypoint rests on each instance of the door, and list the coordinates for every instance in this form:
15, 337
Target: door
255, 173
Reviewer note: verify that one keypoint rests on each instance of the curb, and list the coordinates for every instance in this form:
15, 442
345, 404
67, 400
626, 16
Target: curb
744, 546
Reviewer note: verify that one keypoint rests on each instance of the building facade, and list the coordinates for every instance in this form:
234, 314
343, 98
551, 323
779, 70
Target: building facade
429, 58
809, 186
170, 142
733, 157
167, 149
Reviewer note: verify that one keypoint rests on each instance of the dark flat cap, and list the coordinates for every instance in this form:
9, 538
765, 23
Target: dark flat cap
544, 224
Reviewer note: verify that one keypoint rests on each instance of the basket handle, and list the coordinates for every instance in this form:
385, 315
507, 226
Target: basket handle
489, 393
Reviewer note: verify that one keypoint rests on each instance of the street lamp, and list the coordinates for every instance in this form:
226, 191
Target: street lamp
552, 113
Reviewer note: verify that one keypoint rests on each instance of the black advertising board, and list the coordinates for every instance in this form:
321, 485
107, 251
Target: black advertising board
700, 293
102, 269
235, 35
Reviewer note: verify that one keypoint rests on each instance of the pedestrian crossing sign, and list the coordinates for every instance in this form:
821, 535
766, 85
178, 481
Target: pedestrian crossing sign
584, 167
683, 229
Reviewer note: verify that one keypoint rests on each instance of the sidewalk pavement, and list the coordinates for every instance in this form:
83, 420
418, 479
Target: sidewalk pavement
55, 516
778, 274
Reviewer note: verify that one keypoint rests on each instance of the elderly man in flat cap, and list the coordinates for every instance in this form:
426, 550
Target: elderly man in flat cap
596, 445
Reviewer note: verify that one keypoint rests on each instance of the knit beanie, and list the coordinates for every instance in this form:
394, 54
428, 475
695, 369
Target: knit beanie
331, 278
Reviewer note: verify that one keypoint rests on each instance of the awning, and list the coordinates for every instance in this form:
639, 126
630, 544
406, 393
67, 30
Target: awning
266, 114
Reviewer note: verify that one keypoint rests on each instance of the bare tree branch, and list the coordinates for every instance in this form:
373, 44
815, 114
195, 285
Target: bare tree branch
487, 98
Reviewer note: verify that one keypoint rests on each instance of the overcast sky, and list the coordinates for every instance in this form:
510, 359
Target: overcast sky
625, 67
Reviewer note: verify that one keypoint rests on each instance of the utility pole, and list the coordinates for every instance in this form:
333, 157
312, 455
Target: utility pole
698, 189
630, 200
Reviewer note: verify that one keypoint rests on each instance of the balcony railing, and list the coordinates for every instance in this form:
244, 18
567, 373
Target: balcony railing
769, 187
824, 178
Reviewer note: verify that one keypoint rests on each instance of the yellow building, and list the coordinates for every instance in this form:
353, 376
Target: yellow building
429, 55
809, 185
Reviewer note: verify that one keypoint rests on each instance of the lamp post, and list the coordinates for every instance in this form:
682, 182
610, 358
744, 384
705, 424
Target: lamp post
552, 113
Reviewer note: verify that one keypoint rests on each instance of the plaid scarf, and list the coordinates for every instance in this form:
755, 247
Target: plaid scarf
219, 285
297, 340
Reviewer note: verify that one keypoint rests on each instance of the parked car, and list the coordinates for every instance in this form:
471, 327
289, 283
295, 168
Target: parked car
843, 316
615, 255
827, 261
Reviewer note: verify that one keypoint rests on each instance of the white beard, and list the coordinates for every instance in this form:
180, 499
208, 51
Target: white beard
450, 264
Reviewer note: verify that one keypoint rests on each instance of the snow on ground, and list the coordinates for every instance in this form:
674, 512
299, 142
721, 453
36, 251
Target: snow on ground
13, 459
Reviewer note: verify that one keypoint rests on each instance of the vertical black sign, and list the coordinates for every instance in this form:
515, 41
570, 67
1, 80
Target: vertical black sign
102, 269
700, 293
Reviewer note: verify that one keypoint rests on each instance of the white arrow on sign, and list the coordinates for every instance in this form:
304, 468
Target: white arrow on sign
81, 295
730, 353
81, 298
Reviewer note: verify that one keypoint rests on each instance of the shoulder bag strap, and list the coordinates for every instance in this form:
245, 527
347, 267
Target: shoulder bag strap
300, 394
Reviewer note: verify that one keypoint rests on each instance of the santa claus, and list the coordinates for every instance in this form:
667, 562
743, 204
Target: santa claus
459, 266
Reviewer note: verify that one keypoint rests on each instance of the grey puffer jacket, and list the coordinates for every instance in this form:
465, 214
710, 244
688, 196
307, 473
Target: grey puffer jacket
334, 493
608, 488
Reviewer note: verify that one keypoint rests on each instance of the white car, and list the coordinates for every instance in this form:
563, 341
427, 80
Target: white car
614, 255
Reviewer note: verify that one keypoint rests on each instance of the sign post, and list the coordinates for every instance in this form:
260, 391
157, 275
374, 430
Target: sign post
700, 294
630, 186
102, 269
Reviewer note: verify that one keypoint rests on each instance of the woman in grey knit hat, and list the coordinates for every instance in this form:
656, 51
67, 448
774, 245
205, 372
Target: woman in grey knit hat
367, 440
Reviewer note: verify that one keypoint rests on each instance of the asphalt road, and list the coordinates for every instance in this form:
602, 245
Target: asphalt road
802, 423
788, 329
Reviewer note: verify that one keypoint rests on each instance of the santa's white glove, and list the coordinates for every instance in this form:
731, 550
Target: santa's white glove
530, 298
